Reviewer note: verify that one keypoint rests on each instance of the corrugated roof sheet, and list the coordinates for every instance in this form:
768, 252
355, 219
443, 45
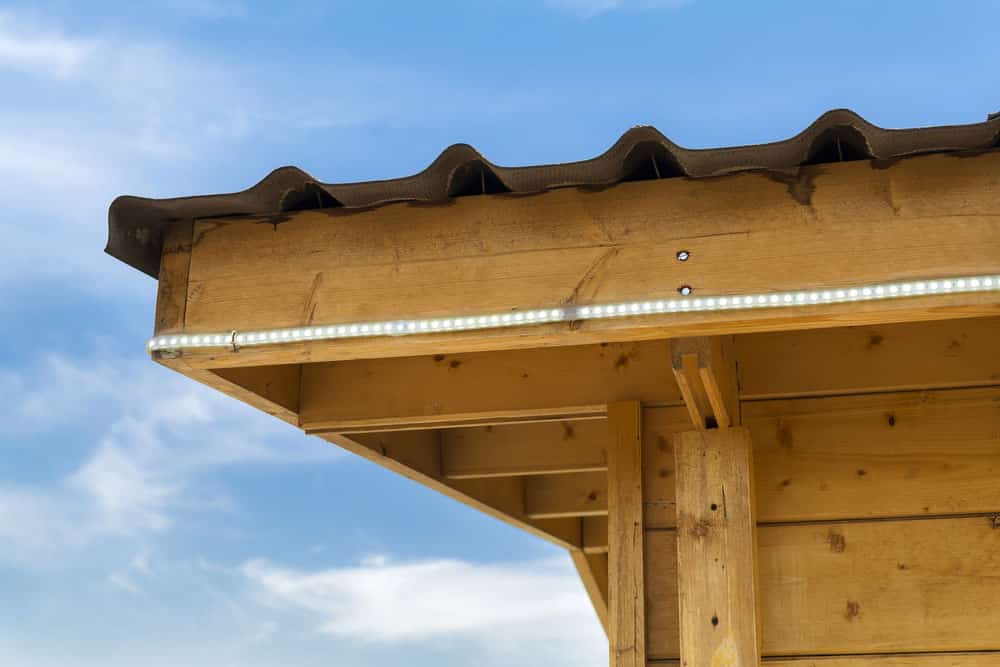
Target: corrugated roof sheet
136, 224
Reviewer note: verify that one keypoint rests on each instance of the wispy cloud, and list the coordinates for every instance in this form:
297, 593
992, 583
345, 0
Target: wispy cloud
46, 52
537, 606
590, 8
90, 116
161, 434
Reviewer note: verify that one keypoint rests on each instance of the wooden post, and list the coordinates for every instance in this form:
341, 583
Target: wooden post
627, 614
716, 549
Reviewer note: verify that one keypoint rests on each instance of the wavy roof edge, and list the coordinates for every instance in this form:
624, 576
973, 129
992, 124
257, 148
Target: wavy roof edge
136, 225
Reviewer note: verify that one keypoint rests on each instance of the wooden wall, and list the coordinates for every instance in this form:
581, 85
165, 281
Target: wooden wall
878, 488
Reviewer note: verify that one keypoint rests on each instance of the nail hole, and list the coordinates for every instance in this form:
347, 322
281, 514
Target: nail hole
683, 256
685, 289
714, 507
715, 620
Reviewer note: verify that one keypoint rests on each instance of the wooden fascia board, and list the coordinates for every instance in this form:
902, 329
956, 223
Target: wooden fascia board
928, 216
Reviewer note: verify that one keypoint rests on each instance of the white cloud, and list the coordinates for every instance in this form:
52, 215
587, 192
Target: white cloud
532, 607
47, 52
155, 436
590, 8
90, 116
123, 581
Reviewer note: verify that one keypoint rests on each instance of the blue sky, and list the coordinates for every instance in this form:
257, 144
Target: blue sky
144, 520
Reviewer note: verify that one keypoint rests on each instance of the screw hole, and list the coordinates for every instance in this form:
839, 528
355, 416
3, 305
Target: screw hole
714, 507
715, 621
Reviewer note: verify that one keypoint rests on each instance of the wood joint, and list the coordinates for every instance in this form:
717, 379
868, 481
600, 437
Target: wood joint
705, 371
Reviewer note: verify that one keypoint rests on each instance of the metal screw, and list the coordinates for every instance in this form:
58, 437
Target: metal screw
685, 289
683, 256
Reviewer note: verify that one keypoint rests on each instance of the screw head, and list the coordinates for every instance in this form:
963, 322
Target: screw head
685, 290
683, 256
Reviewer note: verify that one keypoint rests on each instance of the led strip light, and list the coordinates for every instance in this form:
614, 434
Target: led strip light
234, 340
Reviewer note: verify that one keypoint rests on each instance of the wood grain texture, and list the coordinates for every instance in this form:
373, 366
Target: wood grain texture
467, 389
876, 587
593, 571
848, 360
626, 571
976, 659
910, 454
554, 496
705, 371
525, 449
881, 455
276, 384
922, 217
716, 549
172, 283
416, 455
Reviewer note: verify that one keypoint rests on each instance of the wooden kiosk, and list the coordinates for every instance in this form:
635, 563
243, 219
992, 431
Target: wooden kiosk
754, 391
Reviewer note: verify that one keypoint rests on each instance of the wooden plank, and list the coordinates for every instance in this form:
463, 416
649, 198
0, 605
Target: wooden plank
976, 659
626, 572
955, 353
926, 453
416, 455
882, 455
857, 588
276, 384
863, 313
593, 571
949, 659
595, 534
483, 388
577, 494
525, 449
172, 285
716, 549
659, 428
922, 217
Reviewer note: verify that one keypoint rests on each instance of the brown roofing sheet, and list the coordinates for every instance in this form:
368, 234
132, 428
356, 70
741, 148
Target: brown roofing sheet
136, 224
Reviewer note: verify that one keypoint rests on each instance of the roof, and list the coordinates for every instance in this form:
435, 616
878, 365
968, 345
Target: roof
136, 224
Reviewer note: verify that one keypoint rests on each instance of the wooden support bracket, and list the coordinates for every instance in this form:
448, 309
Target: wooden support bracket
705, 370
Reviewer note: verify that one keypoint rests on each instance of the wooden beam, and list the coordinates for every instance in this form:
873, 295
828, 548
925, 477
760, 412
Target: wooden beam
851, 588
276, 384
541, 448
705, 370
922, 217
593, 571
717, 549
626, 575
482, 388
417, 456
852, 360
172, 285
554, 496
595, 534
